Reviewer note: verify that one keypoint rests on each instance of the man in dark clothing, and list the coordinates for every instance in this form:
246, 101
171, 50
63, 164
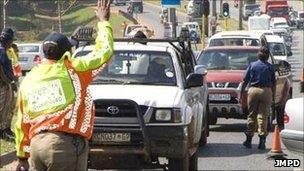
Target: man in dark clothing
6, 79
260, 76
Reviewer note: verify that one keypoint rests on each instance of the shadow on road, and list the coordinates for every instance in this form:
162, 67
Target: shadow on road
229, 150
236, 127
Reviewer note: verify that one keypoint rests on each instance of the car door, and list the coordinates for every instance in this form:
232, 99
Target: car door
195, 98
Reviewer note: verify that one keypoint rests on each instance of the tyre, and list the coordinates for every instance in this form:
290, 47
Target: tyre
205, 130
193, 161
203, 140
181, 164
212, 119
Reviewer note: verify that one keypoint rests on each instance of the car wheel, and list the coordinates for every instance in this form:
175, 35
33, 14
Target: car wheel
181, 164
212, 120
203, 140
193, 161
205, 130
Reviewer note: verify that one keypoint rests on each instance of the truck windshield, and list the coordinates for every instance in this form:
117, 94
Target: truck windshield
251, 7
278, 11
227, 59
138, 67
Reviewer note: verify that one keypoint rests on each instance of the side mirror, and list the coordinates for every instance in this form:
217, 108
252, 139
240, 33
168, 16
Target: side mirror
200, 69
194, 80
289, 53
276, 67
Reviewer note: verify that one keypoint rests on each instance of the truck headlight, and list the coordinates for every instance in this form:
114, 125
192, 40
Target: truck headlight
163, 115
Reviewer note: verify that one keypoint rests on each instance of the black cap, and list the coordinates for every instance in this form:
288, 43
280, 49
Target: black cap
57, 40
8, 35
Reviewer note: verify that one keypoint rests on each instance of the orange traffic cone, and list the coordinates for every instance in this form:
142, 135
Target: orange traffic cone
276, 150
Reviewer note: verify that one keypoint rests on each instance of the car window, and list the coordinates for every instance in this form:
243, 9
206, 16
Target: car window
234, 42
227, 59
138, 67
28, 48
277, 49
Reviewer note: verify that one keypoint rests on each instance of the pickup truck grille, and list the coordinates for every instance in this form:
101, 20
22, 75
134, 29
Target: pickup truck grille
125, 108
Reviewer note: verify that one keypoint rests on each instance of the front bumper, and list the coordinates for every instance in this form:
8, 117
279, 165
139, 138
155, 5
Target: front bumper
293, 140
230, 108
164, 141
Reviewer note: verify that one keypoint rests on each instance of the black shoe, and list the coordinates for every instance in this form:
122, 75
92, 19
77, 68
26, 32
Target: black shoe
8, 134
262, 145
247, 142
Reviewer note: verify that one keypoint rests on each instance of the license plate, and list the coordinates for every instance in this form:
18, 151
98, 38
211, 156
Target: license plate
23, 59
219, 97
112, 137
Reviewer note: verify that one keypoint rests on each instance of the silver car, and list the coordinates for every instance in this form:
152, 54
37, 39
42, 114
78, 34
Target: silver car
29, 55
293, 134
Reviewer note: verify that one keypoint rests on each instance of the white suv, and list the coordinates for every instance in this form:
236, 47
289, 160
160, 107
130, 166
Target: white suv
150, 102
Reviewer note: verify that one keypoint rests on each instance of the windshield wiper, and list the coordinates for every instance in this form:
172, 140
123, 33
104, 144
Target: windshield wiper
109, 81
217, 67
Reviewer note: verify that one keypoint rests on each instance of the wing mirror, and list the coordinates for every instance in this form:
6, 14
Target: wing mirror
200, 69
194, 80
289, 53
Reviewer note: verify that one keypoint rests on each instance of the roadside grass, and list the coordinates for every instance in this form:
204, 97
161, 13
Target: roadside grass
6, 146
35, 27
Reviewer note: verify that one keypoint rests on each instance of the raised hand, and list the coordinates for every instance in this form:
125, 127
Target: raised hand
103, 10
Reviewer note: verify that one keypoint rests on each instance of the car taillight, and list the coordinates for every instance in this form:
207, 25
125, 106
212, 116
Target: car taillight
37, 59
286, 118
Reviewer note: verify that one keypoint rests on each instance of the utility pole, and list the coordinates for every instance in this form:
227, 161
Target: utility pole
240, 14
5, 2
221, 8
213, 8
203, 30
172, 20
59, 16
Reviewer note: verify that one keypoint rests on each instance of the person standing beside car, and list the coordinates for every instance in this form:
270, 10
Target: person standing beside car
260, 76
55, 109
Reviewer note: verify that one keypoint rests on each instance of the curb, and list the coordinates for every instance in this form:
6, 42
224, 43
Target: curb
7, 158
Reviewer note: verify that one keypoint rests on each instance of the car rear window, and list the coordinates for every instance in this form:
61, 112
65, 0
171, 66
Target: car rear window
234, 42
227, 59
29, 48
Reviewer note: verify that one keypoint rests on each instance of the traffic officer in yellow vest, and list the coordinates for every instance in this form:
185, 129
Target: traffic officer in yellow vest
55, 113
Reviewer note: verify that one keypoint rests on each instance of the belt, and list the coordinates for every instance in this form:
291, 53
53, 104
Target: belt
258, 86
64, 133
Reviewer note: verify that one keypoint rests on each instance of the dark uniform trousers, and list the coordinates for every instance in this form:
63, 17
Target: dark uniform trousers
6, 104
57, 151
259, 104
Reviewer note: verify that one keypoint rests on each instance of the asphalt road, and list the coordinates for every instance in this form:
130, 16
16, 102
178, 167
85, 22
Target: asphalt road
224, 150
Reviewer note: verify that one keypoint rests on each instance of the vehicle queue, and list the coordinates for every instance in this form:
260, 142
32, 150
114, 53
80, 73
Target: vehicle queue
162, 65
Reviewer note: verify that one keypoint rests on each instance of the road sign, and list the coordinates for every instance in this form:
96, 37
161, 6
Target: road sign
170, 3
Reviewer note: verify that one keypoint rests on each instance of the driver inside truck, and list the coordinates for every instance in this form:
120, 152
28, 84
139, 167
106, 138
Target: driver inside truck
156, 71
